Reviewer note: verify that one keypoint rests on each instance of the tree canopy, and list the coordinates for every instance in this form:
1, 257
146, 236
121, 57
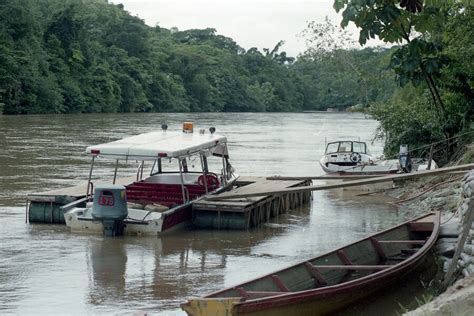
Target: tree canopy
68, 56
433, 53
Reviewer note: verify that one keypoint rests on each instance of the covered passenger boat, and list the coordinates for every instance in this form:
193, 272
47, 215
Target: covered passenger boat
185, 166
329, 282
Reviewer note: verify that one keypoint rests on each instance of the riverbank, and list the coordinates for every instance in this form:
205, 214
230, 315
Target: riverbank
452, 195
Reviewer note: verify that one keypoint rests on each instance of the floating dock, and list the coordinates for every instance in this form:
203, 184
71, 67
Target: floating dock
240, 213
45, 207
243, 213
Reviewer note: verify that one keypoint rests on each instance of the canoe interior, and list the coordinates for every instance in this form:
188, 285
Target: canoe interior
368, 256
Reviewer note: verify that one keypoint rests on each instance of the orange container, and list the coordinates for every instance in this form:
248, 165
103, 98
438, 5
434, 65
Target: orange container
187, 127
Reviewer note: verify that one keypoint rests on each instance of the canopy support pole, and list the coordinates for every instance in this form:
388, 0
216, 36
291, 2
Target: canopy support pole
224, 174
115, 172
204, 171
90, 177
182, 180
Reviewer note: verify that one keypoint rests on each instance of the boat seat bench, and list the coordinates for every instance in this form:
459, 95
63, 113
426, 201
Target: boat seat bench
279, 283
415, 242
315, 273
166, 194
168, 187
378, 246
173, 189
255, 294
352, 267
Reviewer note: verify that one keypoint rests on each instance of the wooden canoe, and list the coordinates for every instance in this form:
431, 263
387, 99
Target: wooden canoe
331, 281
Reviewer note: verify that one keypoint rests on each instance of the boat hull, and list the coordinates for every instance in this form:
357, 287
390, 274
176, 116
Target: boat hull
373, 169
326, 302
139, 222
381, 168
331, 281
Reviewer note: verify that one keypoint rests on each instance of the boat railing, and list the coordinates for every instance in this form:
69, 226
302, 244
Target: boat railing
140, 170
73, 204
90, 191
186, 193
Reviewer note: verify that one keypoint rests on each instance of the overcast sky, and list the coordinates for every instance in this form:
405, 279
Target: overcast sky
251, 23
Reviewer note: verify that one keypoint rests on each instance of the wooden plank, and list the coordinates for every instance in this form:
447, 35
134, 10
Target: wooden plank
247, 204
339, 176
77, 191
378, 248
414, 242
228, 203
315, 273
242, 291
258, 294
352, 267
326, 177
41, 198
343, 257
407, 176
261, 184
73, 204
279, 283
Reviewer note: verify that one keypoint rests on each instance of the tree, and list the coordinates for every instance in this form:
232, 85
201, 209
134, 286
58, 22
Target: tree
417, 29
343, 75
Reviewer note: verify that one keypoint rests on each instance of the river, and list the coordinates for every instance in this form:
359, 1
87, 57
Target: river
45, 269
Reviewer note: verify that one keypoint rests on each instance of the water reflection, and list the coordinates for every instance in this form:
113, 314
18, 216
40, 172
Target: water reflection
176, 265
108, 263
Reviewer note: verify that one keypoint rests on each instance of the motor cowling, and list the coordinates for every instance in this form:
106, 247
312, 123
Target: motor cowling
404, 159
110, 207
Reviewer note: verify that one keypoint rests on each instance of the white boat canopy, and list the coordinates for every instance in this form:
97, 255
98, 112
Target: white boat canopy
154, 145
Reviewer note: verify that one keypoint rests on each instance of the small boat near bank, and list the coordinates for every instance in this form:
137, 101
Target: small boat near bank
181, 172
347, 157
329, 282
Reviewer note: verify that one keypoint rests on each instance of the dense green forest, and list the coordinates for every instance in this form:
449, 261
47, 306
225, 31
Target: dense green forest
88, 56
71, 56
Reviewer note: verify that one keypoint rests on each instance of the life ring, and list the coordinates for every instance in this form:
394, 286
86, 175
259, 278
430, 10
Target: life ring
355, 157
212, 180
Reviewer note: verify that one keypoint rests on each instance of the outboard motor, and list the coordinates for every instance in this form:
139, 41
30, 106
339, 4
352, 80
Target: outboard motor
110, 207
404, 159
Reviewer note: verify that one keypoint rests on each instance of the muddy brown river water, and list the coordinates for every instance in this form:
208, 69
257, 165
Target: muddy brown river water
45, 269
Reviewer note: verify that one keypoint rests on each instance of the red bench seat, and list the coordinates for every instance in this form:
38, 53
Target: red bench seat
166, 194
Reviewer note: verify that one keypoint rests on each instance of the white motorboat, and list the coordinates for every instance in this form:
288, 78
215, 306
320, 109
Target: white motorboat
353, 158
181, 172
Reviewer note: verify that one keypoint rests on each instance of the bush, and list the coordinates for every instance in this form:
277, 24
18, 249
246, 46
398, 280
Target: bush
407, 119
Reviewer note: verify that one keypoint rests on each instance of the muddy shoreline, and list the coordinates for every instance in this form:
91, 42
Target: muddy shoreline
450, 194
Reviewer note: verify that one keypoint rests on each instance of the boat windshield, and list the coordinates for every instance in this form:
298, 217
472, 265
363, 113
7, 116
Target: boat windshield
359, 147
346, 146
332, 148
